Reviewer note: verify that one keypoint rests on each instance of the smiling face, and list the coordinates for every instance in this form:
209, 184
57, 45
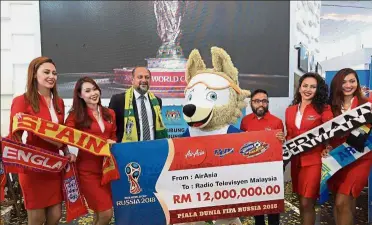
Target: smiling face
141, 80
204, 94
349, 85
308, 88
90, 94
46, 76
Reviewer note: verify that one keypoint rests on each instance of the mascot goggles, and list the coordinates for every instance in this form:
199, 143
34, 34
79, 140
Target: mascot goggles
231, 84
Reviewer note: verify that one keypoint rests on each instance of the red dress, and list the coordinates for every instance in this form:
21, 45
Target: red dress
351, 179
306, 167
89, 166
40, 190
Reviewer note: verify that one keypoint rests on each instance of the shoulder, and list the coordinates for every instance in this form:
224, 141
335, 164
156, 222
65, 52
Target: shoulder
111, 111
118, 96
275, 118
248, 117
20, 99
291, 108
60, 101
327, 108
71, 114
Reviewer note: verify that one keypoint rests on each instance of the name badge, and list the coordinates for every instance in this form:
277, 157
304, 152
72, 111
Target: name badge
311, 117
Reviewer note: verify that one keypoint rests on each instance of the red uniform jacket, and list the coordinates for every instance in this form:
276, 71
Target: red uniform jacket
335, 142
267, 122
19, 104
310, 120
87, 161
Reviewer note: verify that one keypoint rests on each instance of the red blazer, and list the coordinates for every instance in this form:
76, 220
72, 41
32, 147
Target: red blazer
19, 104
310, 120
335, 142
87, 161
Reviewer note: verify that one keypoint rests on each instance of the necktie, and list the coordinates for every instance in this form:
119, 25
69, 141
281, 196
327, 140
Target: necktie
145, 121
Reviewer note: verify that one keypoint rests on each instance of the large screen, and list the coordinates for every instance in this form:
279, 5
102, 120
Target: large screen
96, 37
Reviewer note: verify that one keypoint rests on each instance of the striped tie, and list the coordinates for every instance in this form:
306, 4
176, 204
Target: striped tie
145, 121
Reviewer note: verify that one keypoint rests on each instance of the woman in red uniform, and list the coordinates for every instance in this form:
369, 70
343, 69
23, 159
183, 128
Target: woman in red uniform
347, 183
309, 109
42, 192
87, 114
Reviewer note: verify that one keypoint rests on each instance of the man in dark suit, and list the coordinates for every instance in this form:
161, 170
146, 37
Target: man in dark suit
145, 114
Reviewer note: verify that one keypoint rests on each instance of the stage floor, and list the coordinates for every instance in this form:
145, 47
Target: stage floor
290, 217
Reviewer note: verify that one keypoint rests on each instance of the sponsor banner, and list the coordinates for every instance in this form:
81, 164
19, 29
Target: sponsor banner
338, 158
173, 120
335, 127
198, 178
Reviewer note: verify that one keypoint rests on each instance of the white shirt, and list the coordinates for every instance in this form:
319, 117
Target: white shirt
298, 118
52, 111
351, 103
148, 111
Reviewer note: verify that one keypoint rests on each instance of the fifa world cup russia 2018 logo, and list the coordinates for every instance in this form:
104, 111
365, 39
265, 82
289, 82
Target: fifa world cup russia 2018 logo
133, 171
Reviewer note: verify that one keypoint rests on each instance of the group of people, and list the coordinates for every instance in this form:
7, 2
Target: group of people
312, 106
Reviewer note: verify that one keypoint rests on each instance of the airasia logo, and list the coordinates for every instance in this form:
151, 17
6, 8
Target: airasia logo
195, 157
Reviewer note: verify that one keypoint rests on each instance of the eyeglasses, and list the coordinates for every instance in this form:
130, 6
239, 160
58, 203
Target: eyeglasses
257, 101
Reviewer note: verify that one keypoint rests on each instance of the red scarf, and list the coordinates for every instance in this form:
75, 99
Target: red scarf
20, 158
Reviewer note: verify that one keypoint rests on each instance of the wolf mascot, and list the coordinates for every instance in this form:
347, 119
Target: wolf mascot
214, 100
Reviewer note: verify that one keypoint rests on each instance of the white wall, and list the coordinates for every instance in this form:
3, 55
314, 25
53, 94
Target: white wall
358, 60
20, 43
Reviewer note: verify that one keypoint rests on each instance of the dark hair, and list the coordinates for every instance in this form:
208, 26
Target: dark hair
32, 96
337, 95
134, 70
79, 107
321, 95
257, 91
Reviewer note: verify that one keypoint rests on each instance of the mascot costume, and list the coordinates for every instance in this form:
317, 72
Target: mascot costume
214, 101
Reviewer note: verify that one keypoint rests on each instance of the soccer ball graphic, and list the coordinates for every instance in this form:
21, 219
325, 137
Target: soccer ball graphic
133, 171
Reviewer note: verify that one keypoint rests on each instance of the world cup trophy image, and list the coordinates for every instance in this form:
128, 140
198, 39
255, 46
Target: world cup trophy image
133, 171
168, 16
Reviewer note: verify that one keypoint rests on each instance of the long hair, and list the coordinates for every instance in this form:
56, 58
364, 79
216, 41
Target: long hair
336, 97
80, 109
321, 95
32, 95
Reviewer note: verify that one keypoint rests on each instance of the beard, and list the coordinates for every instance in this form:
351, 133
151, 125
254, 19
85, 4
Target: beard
260, 111
143, 87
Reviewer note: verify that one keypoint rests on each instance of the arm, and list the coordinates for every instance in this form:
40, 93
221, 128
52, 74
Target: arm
113, 131
243, 125
113, 105
18, 106
287, 137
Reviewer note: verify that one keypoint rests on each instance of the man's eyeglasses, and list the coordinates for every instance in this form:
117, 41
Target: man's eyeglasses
257, 101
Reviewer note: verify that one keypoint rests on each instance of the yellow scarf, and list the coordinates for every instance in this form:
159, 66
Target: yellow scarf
130, 127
